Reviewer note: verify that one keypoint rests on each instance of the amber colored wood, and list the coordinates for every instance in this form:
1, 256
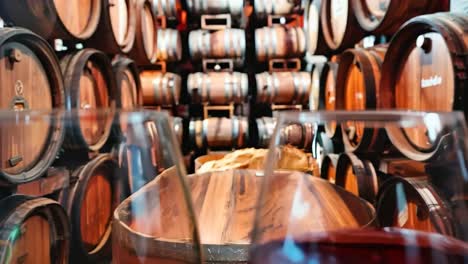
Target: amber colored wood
222, 44
219, 132
298, 135
328, 167
387, 16
425, 73
160, 88
30, 80
219, 88
224, 203
117, 28
402, 167
51, 19
34, 230
128, 83
328, 96
145, 47
283, 87
315, 90
339, 25
413, 203
279, 42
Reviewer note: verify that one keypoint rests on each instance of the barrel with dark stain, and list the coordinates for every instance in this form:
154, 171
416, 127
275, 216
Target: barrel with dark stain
117, 27
423, 71
328, 167
229, 43
279, 42
160, 88
387, 16
413, 203
33, 230
283, 87
357, 176
219, 133
90, 201
89, 85
313, 30
357, 86
145, 47
51, 19
30, 80
169, 45
218, 87
339, 25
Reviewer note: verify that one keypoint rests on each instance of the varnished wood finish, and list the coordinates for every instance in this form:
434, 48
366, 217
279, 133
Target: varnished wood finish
218, 87
387, 16
160, 88
423, 71
145, 47
357, 85
357, 176
90, 203
33, 230
89, 85
313, 30
51, 19
413, 203
117, 28
30, 80
199, 7
219, 132
169, 45
224, 203
279, 42
339, 25
283, 87
229, 43
328, 167
263, 8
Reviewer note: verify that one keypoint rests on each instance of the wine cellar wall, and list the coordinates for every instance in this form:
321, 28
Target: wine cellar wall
223, 70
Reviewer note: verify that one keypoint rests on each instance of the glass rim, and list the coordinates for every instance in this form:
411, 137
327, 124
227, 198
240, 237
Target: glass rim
79, 112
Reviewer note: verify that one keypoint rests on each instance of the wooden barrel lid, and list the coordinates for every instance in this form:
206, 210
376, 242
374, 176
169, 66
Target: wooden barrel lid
119, 12
79, 17
312, 29
90, 203
90, 85
128, 83
144, 49
413, 203
34, 230
31, 80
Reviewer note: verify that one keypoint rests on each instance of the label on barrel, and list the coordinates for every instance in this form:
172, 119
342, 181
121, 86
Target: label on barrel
431, 81
459, 6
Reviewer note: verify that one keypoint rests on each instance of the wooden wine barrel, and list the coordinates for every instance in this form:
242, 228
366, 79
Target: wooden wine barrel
339, 25
169, 8
90, 202
413, 203
283, 87
160, 88
200, 7
279, 42
222, 44
33, 230
169, 45
357, 176
357, 86
53, 19
218, 87
225, 236
266, 128
264, 8
423, 71
117, 28
299, 135
386, 16
129, 95
315, 90
144, 50
219, 133
328, 167
30, 80
392, 245
89, 85
315, 42
328, 97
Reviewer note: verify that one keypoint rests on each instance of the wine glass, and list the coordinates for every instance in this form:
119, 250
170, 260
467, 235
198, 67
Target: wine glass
406, 204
